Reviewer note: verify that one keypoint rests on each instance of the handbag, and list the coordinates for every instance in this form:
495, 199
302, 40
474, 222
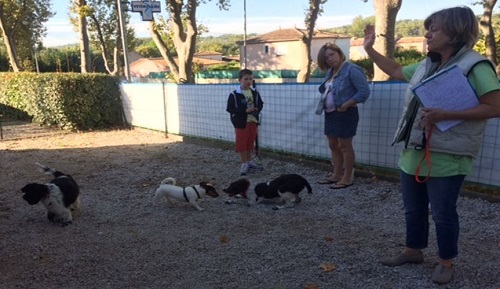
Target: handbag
320, 106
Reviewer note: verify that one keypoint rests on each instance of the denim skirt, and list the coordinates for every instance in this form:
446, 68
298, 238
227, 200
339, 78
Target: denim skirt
342, 124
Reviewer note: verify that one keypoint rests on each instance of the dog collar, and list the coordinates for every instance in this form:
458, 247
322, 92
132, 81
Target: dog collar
185, 196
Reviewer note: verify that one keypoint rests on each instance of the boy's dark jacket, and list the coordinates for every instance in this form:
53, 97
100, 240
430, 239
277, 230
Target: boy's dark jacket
237, 106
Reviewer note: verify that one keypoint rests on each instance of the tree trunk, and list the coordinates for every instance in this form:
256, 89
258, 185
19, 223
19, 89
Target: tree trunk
105, 51
184, 33
305, 65
386, 12
84, 40
162, 47
487, 29
306, 40
8, 39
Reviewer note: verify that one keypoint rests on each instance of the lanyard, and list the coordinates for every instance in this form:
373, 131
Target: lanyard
426, 141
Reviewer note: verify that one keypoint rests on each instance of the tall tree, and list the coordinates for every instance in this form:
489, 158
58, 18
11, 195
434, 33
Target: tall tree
386, 12
104, 32
306, 39
21, 24
81, 9
182, 30
485, 23
97, 24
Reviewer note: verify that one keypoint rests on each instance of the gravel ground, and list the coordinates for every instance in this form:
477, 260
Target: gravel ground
333, 239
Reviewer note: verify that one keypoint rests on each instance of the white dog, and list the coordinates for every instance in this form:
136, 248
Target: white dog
60, 197
169, 190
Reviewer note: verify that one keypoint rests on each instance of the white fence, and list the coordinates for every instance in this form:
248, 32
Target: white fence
288, 120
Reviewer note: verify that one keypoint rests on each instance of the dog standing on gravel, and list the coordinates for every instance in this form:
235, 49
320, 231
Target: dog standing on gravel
60, 197
287, 187
238, 188
169, 190
284, 188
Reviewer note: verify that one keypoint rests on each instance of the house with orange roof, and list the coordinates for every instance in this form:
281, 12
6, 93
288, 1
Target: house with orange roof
142, 67
282, 49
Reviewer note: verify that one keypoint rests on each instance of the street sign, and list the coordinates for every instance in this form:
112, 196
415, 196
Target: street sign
146, 8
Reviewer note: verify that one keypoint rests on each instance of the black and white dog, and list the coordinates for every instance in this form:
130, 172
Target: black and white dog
284, 188
287, 187
169, 190
60, 197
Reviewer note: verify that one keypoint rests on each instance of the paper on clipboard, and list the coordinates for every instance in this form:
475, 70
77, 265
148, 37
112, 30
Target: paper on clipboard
447, 90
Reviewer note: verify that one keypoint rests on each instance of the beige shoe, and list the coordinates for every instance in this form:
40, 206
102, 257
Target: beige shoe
402, 259
442, 274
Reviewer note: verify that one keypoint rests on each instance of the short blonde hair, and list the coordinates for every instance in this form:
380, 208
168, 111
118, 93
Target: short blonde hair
321, 55
458, 23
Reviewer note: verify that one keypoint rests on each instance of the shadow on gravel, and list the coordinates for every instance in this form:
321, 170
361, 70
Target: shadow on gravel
16, 129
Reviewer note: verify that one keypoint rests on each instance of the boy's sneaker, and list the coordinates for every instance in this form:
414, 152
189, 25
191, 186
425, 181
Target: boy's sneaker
255, 166
244, 169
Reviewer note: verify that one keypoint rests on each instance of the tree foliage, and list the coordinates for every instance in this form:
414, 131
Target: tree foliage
225, 44
179, 26
404, 28
22, 27
97, 23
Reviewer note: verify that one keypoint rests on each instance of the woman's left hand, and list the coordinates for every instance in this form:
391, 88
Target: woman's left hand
432, 116
342, 108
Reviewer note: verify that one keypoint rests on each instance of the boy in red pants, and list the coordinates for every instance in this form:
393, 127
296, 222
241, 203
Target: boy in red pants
244, 105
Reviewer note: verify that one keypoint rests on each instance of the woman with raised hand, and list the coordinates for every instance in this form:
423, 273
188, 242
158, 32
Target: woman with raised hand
451, 34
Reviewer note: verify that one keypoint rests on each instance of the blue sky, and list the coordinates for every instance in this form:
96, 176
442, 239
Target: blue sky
261, 16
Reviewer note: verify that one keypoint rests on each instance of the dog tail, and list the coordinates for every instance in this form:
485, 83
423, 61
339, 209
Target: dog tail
168, 181
48, 171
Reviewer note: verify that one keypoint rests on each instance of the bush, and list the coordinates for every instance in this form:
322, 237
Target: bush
71, 101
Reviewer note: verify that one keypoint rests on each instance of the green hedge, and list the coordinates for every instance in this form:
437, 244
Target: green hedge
70, 101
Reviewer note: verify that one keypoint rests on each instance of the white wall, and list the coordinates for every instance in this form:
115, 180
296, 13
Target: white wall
288, 120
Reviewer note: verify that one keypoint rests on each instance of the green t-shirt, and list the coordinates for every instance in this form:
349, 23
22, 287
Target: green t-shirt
483, 80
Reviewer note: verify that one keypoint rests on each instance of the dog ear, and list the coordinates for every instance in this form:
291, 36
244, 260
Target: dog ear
212, 182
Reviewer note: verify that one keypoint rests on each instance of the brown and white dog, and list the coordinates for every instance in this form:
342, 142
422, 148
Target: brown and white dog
191, 194
60, 197
238, 188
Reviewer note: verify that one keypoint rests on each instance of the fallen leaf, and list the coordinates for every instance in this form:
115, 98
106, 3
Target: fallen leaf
328, 267
311, 286
328, 239
224, 239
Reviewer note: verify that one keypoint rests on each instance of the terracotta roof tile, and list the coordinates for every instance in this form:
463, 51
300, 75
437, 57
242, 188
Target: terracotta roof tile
201, 53
291, 34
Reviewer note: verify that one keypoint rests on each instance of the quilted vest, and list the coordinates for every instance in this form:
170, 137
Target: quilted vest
462, 139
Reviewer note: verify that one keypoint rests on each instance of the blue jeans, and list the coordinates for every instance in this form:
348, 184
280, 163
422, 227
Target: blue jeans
442, 194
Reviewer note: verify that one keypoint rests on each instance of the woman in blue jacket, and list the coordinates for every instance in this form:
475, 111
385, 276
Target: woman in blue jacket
346, 86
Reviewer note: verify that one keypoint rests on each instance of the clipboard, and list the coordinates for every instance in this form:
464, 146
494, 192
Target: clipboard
448, 90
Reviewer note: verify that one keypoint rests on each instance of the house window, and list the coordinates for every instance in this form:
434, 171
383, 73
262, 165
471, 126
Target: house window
279, 50
266, 49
